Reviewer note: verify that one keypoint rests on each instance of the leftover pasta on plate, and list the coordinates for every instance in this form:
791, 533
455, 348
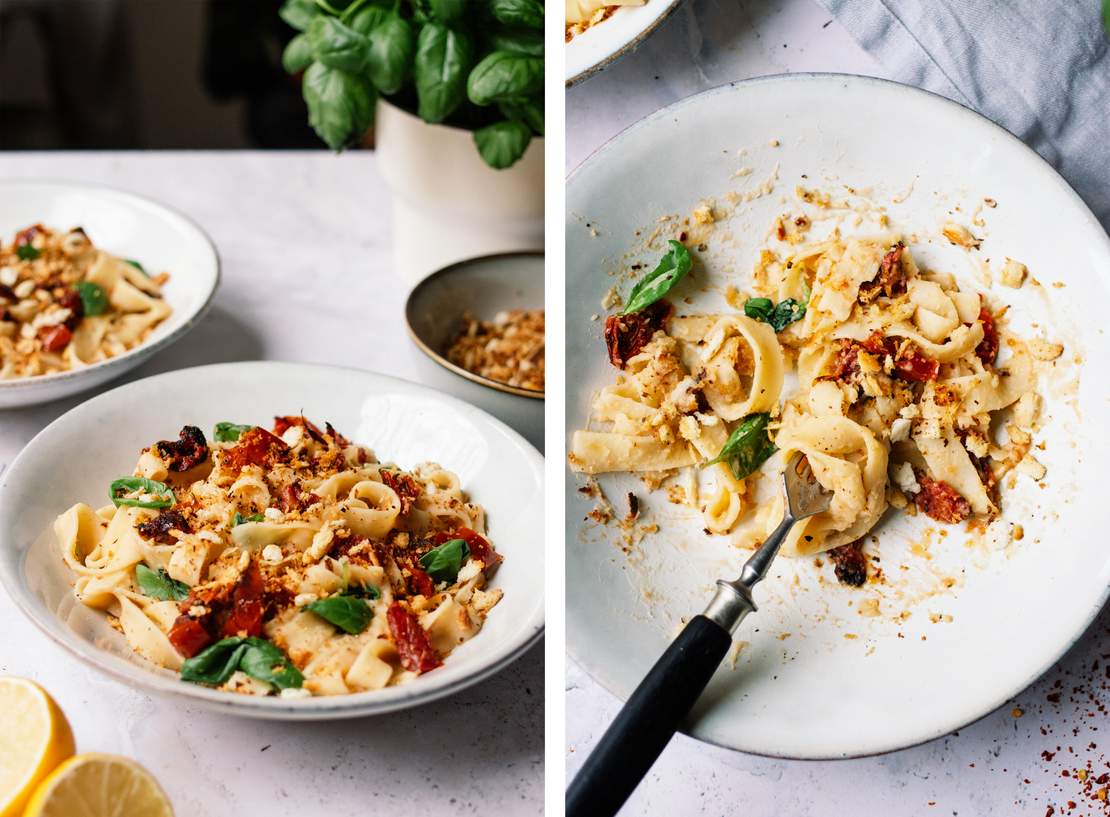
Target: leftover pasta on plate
581, 14
64, 304
286, 561
900, 372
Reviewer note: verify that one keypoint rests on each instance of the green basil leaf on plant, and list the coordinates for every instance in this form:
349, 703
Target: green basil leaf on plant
350, 614
238, 519
26, 252
448, 11
671, 269
265, 662
367, 18
299, 13
392, 46
779, 315
229, 432
214, 664
94, 300
518, 41
1106, 16
443, 58
528, 112
527, 13
338, 46
340, 105
503, 143
297, 55
503, 77
158, 585
443, 563
162, 494
747, 447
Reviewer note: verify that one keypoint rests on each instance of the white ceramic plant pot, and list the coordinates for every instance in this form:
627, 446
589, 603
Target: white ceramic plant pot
448, 205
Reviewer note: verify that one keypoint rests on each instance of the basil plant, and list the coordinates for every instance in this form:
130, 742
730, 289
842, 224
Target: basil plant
476, 64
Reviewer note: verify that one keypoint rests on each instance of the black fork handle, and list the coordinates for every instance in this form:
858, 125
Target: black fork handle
648, 721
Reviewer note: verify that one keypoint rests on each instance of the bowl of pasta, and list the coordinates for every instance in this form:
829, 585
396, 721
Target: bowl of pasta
598, 32
372, 550
93, 281
790, 279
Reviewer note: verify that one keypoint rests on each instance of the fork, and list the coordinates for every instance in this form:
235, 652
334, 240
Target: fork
648, 721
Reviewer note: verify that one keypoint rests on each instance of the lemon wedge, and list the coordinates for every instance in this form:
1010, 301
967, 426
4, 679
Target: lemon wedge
36, 737
99, 785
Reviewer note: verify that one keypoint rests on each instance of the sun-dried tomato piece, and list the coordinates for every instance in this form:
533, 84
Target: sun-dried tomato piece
910, 363
850, 564
340, 440
416, 651
420, 582
938, 500
71, 300
247, 604
294, 498
27, 235
889, 280
55, 338
626, 335
188, 636
8, 294
160, 526
987, 350
256, 446
283, 424
189, 450
479, 547
407, 489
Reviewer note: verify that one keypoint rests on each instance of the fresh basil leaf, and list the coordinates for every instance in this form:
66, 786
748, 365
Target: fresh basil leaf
528, 112
214, 664
779, 315
502, 143
297, 55
238, 519
159, 585
517, 41
748, 447
350, 614
299, 13
137, 266
1106, 16
392, 46
337, 46
366, 19
365, 591
443, 563
265, 662
229, 432
443, 57
128, 485
26, 252
448, 11
94, 300
527, 13
671, 269
340, 105
503, 77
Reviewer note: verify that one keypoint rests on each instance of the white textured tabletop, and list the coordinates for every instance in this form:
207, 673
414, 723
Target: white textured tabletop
301, 237
1041, 754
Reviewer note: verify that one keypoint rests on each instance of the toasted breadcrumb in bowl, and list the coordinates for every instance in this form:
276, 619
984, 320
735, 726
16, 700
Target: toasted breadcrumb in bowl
478, 326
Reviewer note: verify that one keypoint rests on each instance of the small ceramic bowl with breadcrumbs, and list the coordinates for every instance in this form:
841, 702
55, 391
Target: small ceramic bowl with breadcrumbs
478, 333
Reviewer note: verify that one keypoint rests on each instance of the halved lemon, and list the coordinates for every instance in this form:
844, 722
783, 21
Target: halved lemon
34, 738
99, 785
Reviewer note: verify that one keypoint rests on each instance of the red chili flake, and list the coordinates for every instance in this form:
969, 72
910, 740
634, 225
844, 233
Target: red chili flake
406, 488
283, 424
160, 526
987, 350
626, 335
247, 604
55, 338
256, 446
188, 636
479, 547
850, 564
189, 450
940, 501
417, 654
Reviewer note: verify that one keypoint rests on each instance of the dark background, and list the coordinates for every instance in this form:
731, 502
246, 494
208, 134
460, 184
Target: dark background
119, 74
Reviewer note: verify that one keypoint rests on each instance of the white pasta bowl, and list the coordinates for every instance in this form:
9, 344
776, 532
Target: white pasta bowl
128, 226
822, 675
77, 456
604, 43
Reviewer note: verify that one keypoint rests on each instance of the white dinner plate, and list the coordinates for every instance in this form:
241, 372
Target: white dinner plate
818, 679
600, 45
128, 226
78, 455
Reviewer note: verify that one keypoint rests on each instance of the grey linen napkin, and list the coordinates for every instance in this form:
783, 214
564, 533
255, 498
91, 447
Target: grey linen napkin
1039, 68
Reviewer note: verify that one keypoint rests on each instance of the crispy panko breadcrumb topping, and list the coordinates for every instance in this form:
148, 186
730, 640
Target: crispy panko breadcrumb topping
508, 349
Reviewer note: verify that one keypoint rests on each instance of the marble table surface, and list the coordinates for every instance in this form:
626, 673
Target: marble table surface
1019, 760
305, 234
